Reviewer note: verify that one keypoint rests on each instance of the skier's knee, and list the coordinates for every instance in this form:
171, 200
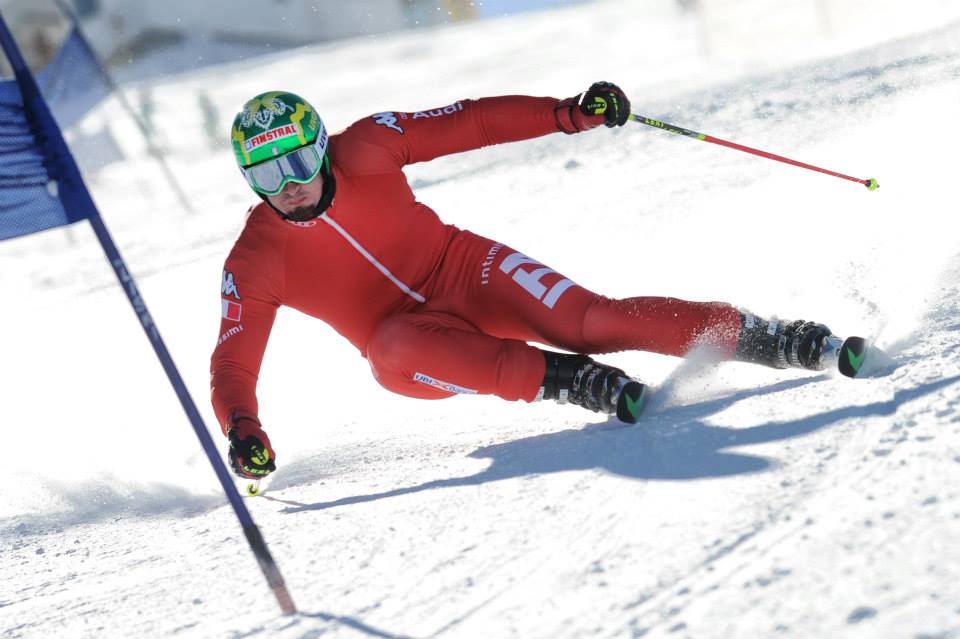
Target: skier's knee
389, 347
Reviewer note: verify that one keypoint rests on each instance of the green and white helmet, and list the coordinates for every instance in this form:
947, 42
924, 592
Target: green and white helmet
278, 138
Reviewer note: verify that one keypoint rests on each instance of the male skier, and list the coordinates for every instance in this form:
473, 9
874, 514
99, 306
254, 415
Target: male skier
437, 310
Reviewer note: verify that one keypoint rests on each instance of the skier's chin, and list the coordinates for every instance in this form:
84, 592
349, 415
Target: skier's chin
302, 213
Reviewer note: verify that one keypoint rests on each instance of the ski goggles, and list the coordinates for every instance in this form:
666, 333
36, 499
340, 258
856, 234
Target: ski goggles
270, 176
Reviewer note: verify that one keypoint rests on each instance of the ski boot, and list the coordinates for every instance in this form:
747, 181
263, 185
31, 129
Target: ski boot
783, 344
579, 380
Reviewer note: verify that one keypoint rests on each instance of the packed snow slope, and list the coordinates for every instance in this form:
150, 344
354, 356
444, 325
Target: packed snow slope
748, 503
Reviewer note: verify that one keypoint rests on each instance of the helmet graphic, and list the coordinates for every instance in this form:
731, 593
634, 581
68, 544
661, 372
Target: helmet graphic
278, 138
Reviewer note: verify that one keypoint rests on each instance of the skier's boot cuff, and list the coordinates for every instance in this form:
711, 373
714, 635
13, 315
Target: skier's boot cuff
783, 344
579, 380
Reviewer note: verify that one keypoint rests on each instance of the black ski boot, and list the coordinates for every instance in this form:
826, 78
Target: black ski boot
783, 344
579, 380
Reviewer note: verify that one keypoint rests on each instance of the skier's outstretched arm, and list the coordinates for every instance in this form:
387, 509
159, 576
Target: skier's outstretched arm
247, 318
471, 124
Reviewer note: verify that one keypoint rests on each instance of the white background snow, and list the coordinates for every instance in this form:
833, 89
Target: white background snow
748, 503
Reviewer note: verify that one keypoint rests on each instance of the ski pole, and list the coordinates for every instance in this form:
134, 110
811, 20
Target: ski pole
73, 195
870, 183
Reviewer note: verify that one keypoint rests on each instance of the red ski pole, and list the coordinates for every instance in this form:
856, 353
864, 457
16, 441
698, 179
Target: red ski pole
870, 183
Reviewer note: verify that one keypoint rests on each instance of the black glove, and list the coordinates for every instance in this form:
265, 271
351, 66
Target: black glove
251, 455
603, 103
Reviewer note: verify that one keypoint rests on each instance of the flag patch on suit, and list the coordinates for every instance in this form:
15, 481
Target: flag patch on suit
230, 310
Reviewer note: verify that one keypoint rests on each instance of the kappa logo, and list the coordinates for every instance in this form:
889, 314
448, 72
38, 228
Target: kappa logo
387, 119
228, 286
531, 280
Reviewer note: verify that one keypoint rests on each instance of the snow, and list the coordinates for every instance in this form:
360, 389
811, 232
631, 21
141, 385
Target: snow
749, 502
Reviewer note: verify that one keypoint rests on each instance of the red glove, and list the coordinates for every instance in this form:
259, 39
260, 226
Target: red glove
603, 103
251, 455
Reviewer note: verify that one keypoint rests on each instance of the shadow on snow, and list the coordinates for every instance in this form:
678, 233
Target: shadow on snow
351, 623
676, 444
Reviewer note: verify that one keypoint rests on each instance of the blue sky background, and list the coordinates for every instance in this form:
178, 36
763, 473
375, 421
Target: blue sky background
490, 8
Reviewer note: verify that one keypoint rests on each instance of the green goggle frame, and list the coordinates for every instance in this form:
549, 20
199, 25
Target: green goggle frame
270, 176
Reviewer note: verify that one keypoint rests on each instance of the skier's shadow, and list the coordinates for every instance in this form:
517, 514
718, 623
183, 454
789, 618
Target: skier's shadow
675, 444
352, 623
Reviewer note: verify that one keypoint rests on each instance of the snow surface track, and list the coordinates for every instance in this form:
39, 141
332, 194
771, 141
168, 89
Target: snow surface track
749, 503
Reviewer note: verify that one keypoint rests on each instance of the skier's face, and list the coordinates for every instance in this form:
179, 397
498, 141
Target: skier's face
298, 201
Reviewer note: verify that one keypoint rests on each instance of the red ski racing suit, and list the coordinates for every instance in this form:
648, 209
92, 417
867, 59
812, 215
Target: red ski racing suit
436, 310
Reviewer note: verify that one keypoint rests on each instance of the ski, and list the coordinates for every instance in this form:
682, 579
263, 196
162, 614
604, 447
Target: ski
856, 357
630, 402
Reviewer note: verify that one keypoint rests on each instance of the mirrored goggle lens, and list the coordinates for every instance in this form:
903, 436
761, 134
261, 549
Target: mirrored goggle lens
270, 177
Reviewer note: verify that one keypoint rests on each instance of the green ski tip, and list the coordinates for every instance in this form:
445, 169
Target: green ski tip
853, 353
872, 185
631, 402
855, 361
